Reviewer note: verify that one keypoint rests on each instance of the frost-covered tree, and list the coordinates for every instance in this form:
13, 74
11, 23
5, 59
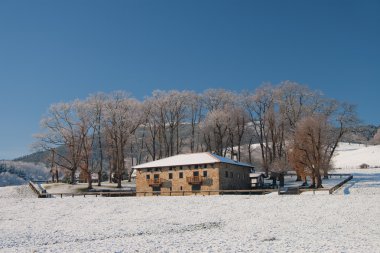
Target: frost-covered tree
122, 116
376, 139
312, 146
61, 129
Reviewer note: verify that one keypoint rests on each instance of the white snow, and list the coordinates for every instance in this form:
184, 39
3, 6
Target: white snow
188, 159
351, 156
347, 221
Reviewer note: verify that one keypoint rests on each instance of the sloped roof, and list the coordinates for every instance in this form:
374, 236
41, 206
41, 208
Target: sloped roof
190, 159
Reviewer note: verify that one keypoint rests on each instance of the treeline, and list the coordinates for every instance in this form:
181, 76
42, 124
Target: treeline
296, 128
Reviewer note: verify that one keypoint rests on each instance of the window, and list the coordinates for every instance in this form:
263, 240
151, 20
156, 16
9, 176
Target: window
205, 173
170, 175
181, 175
170, 168
147, 177
156, 169
149, 170
170, 189
226, 173
196, 166
232, 174
181, 188
205, 166
180, 167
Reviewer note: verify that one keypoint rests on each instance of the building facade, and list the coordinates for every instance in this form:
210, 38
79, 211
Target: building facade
188, 173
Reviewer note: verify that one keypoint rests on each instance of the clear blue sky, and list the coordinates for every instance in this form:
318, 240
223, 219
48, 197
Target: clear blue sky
53, 51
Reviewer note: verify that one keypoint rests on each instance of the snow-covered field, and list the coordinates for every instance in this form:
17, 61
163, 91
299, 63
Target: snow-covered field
348, 221
351, 156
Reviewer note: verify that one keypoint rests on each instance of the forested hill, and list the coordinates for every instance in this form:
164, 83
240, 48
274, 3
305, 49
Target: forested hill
37, 157
18, 173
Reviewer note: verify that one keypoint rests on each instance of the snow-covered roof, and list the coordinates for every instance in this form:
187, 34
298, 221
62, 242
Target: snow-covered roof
256, 174
190, 159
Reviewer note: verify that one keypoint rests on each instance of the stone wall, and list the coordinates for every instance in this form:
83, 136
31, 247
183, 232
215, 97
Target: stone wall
216, 180
233, 177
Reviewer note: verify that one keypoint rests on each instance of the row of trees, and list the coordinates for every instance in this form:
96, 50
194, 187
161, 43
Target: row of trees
294, 126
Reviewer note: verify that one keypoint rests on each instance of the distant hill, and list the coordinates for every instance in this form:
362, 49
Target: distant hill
37, 157
361, 134
18, 173
351, 156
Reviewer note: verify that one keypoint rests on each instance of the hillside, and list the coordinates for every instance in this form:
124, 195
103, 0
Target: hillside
18, 173
37, 157
351, 156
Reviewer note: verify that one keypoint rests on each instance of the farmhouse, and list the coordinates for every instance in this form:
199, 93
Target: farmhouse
187, 173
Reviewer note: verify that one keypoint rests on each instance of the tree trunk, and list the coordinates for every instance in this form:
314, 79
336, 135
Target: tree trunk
119, 181
99, 178
281, 179
101, 167
325, 174
89, 179
110, 169
313, 183
319, 181
274, 182
299, 176
72, 176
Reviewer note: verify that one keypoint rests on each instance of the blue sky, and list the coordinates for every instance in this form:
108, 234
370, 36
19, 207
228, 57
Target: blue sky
53, 51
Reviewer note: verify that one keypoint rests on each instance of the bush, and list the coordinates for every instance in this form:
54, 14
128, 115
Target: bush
364, 166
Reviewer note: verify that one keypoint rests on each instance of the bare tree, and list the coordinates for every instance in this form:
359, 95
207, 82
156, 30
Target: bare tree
376, 139
123, 116
311, 147
194, 105
97, 102
215, 131
62, 130
168, 112
258, 106
343, 117
214, 99
85, 112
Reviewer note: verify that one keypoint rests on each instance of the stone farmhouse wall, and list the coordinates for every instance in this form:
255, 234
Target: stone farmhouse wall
219, 176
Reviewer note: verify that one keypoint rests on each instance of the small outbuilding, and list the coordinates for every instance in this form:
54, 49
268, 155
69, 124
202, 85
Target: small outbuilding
257, 180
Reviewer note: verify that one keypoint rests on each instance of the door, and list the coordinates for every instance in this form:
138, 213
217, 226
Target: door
157, 186
196, 187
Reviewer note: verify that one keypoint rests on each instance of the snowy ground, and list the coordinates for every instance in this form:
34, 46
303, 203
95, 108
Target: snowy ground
67, 188
351, 156
347, 221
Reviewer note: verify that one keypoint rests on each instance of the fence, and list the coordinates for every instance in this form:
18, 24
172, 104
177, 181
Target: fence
336, 187
36, 187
